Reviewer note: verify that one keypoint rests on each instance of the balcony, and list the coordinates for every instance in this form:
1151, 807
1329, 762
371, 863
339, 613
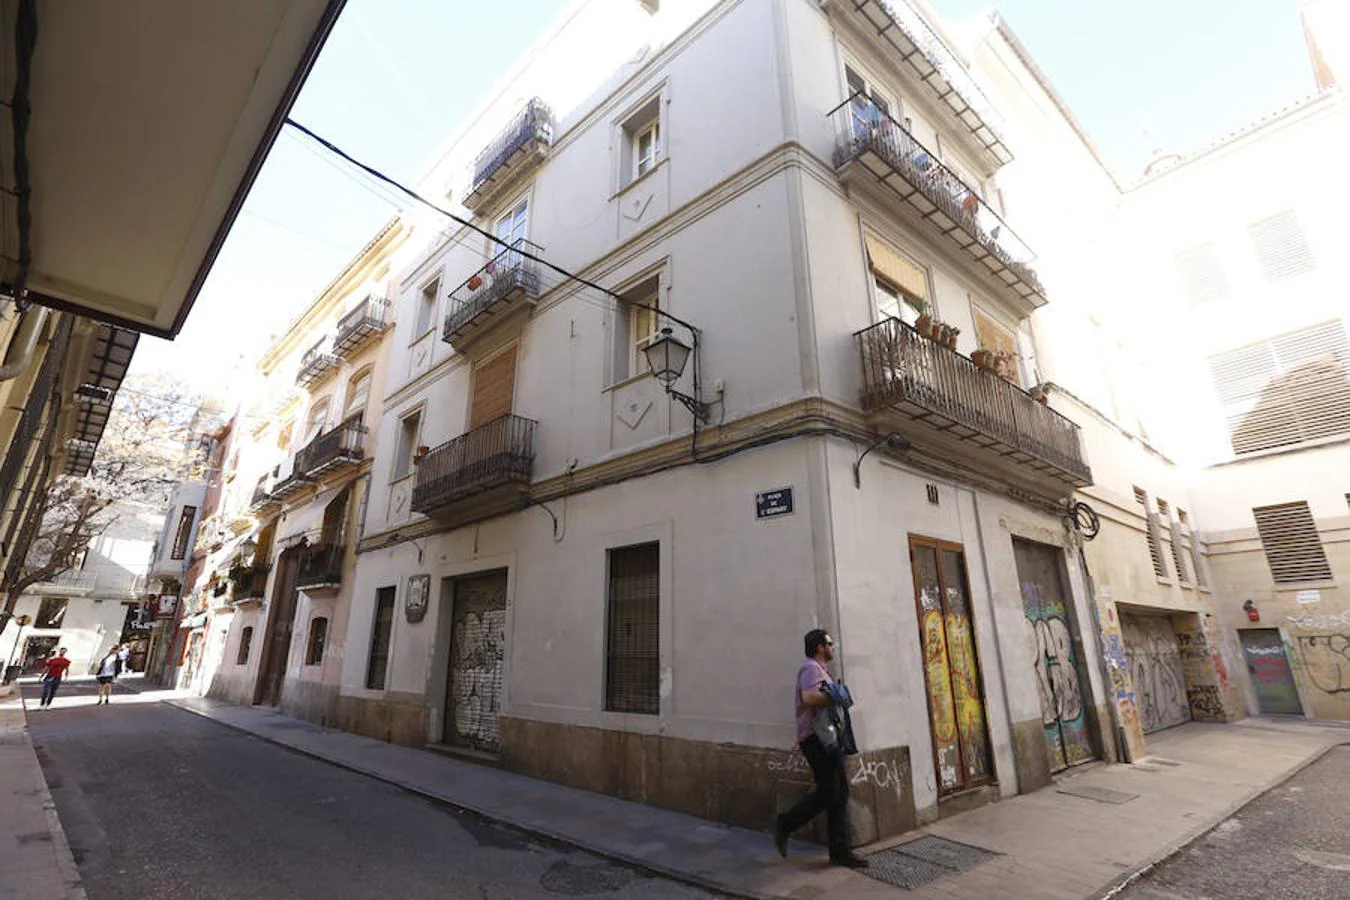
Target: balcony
369, 318
262, 496
290, 479
334, 451
511, 155
316, 365
320, 567
249, 584
947, 394
483, 473
873, 146
507, 284
66, 584
901, 29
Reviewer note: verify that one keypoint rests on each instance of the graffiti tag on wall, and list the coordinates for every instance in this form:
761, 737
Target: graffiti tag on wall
1326, 661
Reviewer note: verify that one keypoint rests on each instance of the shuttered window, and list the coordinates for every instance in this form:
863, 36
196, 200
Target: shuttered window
1202, 277
1192, 547
1154, 539
1286, 390
1281, 247
633, 630
1174, 538
896, 269
494, 384
1293, 548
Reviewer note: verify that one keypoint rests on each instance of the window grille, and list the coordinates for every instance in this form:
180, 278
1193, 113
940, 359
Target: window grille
1293, 548
633, 630
318, 637
245, 641
378, 664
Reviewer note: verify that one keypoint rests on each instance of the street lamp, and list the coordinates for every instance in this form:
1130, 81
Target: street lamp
247, 548
667, 356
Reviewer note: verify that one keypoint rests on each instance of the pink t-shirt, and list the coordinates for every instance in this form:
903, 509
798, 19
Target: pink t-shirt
809, 678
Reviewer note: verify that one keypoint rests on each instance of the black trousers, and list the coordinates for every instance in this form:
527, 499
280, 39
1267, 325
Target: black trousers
830, 795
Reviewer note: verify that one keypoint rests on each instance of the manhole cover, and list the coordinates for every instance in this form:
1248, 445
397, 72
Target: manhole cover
924, 861
1101, 795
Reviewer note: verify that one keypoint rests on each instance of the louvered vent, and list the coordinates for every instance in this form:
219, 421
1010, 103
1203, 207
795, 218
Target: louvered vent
1154, 542
1201, 276
1293, 549
1281, 246
1285, 390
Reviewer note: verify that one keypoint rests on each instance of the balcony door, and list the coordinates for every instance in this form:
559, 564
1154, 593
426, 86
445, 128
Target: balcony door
494, 387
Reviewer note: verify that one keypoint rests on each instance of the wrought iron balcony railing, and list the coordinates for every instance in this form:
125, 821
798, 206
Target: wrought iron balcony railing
320, 566
262, 494
289, 478
71, 582
509, 279
934, 64
367, 319
868, 137
506, 159
907, 371
336, 448
249, 583
315, 365
499, 454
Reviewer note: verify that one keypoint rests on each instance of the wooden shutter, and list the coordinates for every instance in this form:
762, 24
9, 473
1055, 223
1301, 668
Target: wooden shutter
1293, 548
1154, 537
1285, 390
494, 384
1281, 246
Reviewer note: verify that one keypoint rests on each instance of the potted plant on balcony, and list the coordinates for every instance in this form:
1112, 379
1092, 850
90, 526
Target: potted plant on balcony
983, 358
924, 324
1003, 362
949, 335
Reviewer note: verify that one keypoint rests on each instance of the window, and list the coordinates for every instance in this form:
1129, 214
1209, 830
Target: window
426, 307
1174, 533
378, 664
635, 320
1154, 539
284, 435
868, 107
901, 285
1281, 246
409, 428
993, 335
180, 537
511, 227
1293, 547
1193, 546
245, 642
51, 612
1201, 275
318, 415
494, 388
318, 636
1285, 390
633, 630
641, 142
358, 395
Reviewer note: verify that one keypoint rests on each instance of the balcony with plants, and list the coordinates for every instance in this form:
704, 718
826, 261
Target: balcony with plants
248, 584
320, 567
509, 283
511, 155
482, 473
365, 321
918, 382
873, 147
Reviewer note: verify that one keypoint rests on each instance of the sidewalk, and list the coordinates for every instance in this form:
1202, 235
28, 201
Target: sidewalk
1051, 844
34, 857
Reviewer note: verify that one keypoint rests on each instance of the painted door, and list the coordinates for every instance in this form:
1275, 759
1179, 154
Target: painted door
951, 666
477, 656
1269, 668
280, 622
1059, 677
1154, 659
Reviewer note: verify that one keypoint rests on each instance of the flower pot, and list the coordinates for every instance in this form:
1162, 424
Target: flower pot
981, 358
936, 333
924, 325
475, 282
1043, 398
951, 342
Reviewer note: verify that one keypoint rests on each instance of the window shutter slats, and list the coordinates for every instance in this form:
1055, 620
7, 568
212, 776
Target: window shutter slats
1293, 548
1281, 246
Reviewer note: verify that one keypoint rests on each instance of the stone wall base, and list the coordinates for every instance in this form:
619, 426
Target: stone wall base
729, 783
398, 721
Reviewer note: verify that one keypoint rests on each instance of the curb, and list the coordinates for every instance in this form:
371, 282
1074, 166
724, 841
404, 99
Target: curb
1124, 881
529, 828
65, 859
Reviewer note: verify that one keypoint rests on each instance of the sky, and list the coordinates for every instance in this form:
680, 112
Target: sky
397, 77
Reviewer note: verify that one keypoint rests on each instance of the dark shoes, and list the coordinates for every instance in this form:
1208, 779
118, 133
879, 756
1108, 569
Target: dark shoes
849, 860
780, 836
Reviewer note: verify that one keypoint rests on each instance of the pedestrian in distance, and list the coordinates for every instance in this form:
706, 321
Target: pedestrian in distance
108, 670
825, 737
124, 655
55, 671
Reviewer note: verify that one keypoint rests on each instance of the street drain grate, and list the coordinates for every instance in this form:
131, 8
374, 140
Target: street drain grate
923, 862
1101, 795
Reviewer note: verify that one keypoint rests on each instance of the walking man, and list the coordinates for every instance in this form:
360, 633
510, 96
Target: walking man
819, 741
55, 671
108, 670
124, 656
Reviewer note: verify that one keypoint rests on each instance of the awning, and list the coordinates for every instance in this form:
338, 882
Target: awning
193, 621
149, 123
896, 269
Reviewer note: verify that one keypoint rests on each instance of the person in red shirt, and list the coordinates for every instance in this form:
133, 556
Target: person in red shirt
56, 670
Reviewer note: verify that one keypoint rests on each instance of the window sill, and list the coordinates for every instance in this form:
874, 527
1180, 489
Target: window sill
631, 379
421, 337
1166, 582
638, 180
399, 479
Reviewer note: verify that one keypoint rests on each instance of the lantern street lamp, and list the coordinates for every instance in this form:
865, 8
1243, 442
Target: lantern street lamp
667, 356
247, 548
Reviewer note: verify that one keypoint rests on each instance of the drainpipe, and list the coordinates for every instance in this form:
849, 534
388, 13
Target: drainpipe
24, 342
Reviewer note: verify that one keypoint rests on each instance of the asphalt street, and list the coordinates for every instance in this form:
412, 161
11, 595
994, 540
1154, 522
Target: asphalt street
160, 803
1292, 842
